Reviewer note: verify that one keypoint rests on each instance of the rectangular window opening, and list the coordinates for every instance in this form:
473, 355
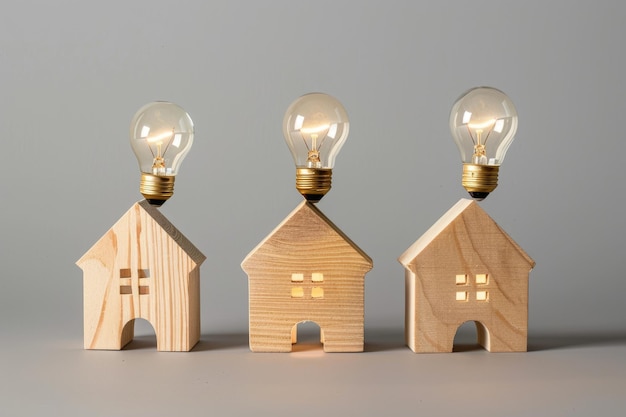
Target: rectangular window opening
297, 277
125, 273
126, 289
482, 295
461, 295
461, 279
317, 292
297, 292
317, 277
144, 289
481, 279
143, 273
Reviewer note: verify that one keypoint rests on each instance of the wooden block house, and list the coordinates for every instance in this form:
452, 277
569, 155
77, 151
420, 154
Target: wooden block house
143, 267
306, 270
466, 268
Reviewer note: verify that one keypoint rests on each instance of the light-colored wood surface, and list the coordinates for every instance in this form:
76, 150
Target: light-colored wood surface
466, 268
306, 270
142, 268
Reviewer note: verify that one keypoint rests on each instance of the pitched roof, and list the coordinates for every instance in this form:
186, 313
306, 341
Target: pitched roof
189, 248
301, 209
444, 222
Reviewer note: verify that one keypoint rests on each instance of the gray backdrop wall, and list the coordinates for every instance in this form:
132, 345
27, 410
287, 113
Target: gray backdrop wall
73, 73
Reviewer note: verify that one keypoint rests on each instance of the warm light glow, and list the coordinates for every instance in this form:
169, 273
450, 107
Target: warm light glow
483, 125
314, 129
317, 277
159, 137
483, 116
317, 292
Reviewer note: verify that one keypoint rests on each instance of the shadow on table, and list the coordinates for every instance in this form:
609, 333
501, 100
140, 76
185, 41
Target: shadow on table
552, 341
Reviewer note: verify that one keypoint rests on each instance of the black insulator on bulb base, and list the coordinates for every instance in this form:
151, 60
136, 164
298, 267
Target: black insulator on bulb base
313, 198
478, 195
155, 202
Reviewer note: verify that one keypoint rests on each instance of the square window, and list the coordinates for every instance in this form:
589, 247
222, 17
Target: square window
317, 277
125, 273
126, 289
461, 279
481, 279
317, 292
297, 292
482, 295
144, 289
297, 277
461, 295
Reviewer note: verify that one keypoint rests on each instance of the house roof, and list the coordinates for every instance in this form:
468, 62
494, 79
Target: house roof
189, 248
463, 205
303, 209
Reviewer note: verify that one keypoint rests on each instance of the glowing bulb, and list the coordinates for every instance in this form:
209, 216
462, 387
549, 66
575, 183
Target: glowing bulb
483, 122
315, 127
161, 135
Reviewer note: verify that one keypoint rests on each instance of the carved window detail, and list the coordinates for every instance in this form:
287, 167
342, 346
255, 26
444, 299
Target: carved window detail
461, 295
481, 279
316, 278
479, 294
126, 286
317, 292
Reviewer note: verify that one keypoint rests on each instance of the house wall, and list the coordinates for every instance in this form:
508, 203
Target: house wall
274, 311
473, 244
156, 281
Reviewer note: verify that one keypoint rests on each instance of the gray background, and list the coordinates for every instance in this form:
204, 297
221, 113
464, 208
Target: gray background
73, 73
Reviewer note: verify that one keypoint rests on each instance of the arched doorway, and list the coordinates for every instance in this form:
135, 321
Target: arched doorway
139, 334
306, 335
470, 335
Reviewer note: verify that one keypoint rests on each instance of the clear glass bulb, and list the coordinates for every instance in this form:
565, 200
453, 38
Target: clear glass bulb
315, 127
161, 134
483, 122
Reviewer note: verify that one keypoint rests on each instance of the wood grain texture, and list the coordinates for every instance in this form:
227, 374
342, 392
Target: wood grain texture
325, 262
491, 290
143, 267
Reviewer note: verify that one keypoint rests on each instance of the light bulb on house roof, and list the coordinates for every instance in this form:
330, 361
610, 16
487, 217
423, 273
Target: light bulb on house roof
483, 122
315, 127
161, 135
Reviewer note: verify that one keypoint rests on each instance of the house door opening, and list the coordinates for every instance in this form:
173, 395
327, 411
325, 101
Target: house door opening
471, 335
306, 335
141, 333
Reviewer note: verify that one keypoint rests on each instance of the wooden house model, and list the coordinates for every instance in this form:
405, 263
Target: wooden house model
306, 270
466, 268
143, 267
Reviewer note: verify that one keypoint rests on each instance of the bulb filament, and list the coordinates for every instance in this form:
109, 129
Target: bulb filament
313, 158
480, 153
158, 164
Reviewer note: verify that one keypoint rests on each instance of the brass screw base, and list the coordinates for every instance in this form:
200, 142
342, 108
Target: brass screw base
156, 188
480, 180
313, 183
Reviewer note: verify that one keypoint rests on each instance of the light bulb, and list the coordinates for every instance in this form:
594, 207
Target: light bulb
315, 127
161, 135
483, 122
